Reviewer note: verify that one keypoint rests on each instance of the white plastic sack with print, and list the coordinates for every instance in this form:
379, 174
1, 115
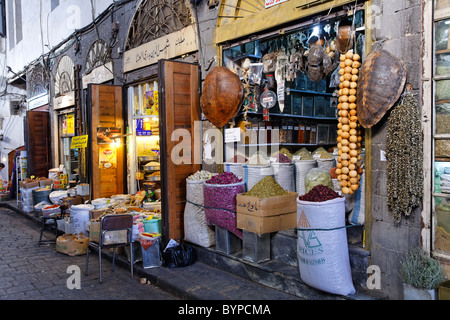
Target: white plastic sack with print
322, 248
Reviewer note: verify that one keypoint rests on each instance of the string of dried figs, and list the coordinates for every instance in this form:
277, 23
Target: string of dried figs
348, 168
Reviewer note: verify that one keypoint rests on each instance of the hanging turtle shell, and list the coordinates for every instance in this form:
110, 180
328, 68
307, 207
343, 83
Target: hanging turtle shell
223, 94
381, 83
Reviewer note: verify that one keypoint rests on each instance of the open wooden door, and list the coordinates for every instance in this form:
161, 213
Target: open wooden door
106, 158
179, 109
37, 143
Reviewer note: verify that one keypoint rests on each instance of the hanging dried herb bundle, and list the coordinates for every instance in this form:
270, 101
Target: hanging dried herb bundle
405, 157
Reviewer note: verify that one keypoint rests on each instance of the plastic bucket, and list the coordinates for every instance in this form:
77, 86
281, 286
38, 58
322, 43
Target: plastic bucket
152, 226
41, 195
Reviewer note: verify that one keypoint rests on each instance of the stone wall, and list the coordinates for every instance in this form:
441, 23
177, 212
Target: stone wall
397, 29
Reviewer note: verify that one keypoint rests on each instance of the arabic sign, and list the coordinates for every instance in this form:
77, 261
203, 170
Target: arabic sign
166, 47
79, 142
270, 3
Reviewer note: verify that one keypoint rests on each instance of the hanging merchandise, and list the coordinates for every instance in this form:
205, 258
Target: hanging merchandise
349, 134
319, 63
280, 76
222, 96
345, 35
404, 152
268, 101
382, 79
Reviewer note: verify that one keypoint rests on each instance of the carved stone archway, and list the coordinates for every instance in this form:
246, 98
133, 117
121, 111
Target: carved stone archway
64, 76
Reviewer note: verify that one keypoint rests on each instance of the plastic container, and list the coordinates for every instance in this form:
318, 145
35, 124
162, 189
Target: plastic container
38, 208
152, 226
41, 195
151, 255
48, 210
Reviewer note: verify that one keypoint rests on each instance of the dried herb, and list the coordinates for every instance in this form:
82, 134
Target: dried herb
320, 193
404, 152
224, 178
267, 187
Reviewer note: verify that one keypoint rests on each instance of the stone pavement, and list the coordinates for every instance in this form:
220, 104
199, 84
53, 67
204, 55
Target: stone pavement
29, 272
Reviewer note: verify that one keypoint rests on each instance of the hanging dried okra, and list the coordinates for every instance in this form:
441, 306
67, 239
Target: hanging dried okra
404, 152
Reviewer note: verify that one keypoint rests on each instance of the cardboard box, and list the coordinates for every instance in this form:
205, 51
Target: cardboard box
111, 237
261, 225
45, 182
268, 206
67, 202
72, 244
266, 215
29, 184
94, 214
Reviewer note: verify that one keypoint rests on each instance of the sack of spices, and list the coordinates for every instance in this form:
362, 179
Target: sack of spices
283, 171
302, 167
322, 248
220, 201
196, 230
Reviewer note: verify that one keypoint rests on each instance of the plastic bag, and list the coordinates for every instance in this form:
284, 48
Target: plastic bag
318, 176
196, 229
178, 256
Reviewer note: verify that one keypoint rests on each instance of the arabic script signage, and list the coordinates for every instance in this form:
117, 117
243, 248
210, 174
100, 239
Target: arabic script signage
170, 46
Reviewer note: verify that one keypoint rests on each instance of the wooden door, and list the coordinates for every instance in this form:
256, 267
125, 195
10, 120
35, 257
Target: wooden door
106, 112
37, 143
179, 109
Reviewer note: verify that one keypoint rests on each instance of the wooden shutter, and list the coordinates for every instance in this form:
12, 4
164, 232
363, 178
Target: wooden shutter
179, 109
37, 143
106, 111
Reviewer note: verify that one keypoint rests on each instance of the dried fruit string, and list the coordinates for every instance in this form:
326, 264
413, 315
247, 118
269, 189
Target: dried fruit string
348, 168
